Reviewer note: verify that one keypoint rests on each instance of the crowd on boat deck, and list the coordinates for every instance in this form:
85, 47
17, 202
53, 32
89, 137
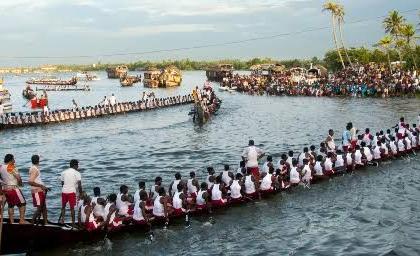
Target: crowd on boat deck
108, 106
371, 80
206, 99
218, 189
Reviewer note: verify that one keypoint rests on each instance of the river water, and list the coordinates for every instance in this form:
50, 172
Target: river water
373, 212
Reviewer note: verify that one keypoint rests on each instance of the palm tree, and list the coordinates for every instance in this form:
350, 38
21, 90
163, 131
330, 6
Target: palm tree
393, 24
340, 20
385, 44
332, 8
408, 34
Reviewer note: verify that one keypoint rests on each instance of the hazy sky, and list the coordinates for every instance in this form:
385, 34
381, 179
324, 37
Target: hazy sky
100, 27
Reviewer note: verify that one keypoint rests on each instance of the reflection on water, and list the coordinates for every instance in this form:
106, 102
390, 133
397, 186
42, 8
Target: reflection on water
371, 212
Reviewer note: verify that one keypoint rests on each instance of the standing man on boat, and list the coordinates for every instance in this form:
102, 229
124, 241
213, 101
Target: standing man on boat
71, 180
112, 100
250, 155
346, 138
38, 190
11, 181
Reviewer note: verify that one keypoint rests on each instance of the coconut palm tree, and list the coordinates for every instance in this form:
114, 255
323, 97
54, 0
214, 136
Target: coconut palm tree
332, 8
340, 20
385, 44
408, 34
393, 24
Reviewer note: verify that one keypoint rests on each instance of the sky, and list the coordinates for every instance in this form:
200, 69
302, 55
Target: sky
97, 29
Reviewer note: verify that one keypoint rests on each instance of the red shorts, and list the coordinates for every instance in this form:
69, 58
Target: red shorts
38, 199
68, 198
267, 191
255, 172
14, 197
218, 203
91, 226
252, 195
178, 212
236, 200
345, 148
353, 144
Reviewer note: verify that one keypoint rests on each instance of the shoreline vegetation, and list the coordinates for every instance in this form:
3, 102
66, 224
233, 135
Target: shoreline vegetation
331, 61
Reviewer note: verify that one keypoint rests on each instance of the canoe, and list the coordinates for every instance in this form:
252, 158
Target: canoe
48, 81
25, 238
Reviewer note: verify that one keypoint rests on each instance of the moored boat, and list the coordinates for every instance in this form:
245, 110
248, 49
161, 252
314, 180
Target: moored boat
117, 72
167, 77
129, 80
219, 72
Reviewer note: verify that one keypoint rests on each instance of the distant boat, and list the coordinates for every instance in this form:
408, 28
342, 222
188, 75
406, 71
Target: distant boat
219, 72
87, 77
168, 77
5, 97
52, 81
117, 72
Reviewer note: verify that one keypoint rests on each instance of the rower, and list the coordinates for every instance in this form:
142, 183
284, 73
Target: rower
139, 215
319, 168
306, 172
71, 180
268, 180
124, 202
408, 146
251, 185
192, 188
241, 168
302, 156
160, 206
154, 193
339, 164
367, 152
265, 165
328, 164
330, 141
217, 192
227, 176
98, 204
174, 184
11, 180
111, 211
289, 159
84, 211
393, 146
142, 187
367, 138
38, 191
203, 198
358, 157
210, 177
179, 201
235, 189
294, 174
251, 154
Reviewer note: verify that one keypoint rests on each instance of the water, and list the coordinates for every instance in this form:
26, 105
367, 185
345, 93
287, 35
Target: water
374, 212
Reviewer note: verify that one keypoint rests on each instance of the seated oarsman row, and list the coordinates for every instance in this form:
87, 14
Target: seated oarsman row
11, 120
250, 182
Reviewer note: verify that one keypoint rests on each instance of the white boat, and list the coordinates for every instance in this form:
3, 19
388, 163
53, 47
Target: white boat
5, 97
223, 88
87, 77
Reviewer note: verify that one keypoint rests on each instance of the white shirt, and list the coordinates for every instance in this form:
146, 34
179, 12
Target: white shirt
252, 153
1, 109
112, 100
7, 177
70, 178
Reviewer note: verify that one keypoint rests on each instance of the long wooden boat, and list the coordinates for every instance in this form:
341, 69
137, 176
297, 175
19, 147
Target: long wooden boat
59, 88
200, 114
52, 81
24, 238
